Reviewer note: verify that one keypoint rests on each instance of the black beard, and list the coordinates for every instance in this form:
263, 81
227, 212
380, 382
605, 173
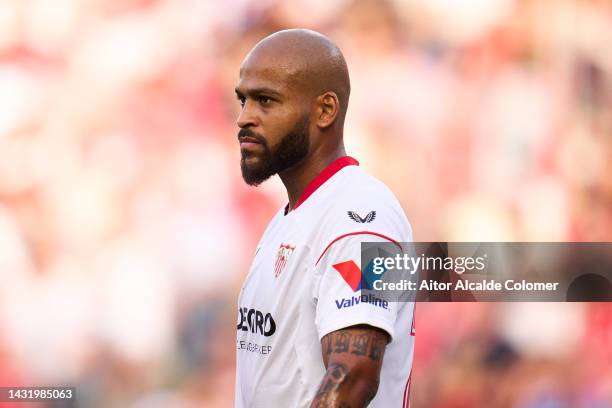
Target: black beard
291, 150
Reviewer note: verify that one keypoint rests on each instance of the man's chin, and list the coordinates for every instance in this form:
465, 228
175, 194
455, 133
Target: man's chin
253, 173
253, 164
251, 160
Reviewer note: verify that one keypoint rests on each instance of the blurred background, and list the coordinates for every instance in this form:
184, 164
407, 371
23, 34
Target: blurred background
126, 229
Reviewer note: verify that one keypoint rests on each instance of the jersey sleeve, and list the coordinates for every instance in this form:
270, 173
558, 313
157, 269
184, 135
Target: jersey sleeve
337, 292
339, 299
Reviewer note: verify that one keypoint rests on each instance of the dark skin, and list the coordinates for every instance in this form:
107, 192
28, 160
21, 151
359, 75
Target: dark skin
353, 358
289, 77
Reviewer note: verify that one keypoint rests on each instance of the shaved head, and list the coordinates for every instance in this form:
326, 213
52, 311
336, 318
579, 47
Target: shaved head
294, 90
308, 60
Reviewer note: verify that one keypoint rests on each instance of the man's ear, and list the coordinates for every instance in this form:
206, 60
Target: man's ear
328, 108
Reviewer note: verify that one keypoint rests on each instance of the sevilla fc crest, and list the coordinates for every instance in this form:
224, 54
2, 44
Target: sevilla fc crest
282, 257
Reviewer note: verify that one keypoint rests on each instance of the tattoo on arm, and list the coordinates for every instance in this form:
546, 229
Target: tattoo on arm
335, 375
326, 347
353, 357
361, 342
341, 342
378, 348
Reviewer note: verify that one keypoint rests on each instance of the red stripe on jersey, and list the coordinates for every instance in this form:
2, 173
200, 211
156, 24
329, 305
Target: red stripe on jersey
406, 401
356, 233
325, 175
413, 328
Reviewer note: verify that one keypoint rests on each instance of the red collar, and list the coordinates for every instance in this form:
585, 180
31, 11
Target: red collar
325, 175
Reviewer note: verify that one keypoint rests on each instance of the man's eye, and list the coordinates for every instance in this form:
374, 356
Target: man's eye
264, 100
242, 100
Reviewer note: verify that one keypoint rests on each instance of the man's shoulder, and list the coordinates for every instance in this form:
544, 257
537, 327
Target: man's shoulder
360, 189
361, 202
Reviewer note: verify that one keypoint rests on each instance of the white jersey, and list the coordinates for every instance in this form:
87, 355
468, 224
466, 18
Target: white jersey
304, 284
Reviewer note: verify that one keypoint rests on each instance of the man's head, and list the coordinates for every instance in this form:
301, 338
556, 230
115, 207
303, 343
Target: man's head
294, 89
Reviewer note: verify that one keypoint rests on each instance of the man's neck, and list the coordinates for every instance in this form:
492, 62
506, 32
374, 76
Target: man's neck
297, 179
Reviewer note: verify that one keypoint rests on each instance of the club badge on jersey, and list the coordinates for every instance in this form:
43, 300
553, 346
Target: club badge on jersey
282, 257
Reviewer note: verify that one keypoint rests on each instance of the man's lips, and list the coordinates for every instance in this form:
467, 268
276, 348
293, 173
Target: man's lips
248, 143
248, 139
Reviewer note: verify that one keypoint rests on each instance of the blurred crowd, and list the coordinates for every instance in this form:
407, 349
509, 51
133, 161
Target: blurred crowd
126, 229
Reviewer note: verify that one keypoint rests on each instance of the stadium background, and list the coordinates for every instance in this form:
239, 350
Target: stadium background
125, 227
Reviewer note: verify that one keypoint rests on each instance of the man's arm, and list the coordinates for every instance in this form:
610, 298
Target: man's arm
353, 358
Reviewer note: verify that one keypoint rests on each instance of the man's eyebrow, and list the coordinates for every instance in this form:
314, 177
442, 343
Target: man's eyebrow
258, 91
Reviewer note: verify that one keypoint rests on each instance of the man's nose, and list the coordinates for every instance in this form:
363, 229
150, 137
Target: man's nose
247, 116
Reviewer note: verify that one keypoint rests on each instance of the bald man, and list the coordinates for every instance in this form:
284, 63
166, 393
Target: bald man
306, 336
